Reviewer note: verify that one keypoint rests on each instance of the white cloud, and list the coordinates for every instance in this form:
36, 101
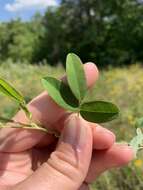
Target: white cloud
19, 5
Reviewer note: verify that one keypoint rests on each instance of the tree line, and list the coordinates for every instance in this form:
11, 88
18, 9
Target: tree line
106, 32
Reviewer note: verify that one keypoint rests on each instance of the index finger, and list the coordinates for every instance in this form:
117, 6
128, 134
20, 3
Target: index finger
46, 112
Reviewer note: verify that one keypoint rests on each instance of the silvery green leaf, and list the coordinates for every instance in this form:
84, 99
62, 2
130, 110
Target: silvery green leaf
137, 141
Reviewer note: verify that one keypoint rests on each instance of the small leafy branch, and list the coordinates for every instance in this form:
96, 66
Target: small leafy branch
69, 95
137, 142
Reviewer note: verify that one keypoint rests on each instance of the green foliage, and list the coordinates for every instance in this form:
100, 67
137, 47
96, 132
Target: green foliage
76, 76
8, 90
18, 40
22, 74
97, 111
58, 90
105, 32
137, 141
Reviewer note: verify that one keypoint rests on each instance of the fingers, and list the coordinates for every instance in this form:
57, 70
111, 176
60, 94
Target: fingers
102, 137
89, 68
91, 73
116, 156
68, 165
45, 111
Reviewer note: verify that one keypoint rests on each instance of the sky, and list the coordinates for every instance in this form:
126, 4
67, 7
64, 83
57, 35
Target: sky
10, 9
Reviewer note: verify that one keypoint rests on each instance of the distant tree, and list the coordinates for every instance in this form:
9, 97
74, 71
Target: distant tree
51, 46
106, 32
18, 39
4, 41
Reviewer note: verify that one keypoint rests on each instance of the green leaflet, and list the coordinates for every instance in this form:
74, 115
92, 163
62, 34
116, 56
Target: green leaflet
99, 111
68, 96
76, 76
11, 92
137, 141
60, 93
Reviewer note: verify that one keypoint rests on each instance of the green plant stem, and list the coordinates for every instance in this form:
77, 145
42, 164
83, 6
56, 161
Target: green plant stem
14, 124
78, 113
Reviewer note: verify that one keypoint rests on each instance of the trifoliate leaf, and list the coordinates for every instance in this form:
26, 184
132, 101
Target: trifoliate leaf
60, 93
76, 76
99, 111
137, 141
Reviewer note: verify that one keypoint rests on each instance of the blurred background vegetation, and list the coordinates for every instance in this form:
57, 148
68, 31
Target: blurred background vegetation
107, 32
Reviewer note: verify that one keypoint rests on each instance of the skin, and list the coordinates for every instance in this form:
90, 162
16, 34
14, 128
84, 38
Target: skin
31, 159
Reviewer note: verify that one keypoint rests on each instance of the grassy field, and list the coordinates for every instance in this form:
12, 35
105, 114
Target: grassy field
122, 86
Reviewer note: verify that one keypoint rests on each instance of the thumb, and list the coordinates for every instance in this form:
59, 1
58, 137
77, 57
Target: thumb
68, 165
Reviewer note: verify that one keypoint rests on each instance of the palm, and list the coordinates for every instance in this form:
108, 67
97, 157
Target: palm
15, 167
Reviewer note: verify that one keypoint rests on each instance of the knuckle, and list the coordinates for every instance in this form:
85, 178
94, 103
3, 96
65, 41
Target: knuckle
66, 165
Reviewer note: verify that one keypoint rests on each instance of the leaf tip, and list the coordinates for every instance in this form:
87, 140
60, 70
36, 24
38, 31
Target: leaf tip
72, 55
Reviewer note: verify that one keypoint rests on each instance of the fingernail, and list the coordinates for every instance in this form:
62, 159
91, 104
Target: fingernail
75, 132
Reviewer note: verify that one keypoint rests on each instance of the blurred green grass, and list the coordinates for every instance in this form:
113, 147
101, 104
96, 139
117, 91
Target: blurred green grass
27, 79
123, 86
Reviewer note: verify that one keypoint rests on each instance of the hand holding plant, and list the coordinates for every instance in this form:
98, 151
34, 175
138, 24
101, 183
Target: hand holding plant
29, 150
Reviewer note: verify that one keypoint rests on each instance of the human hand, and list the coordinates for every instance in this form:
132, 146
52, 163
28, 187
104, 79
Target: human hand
31, 159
